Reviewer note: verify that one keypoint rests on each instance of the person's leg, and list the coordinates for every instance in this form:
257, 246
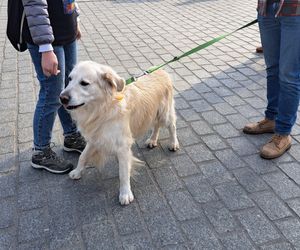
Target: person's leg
48, 100
47, 105
73, 141
69, 60
289, 74
269, 27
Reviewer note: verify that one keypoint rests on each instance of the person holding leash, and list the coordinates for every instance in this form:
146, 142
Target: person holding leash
279, 25
51, 31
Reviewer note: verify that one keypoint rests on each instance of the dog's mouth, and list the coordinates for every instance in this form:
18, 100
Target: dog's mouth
72, 107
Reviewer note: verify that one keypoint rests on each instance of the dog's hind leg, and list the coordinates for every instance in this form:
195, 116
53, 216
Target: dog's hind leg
82, 162
174, 144
125, 159
152, 141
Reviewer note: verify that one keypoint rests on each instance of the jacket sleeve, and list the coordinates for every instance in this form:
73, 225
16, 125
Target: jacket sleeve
37, 16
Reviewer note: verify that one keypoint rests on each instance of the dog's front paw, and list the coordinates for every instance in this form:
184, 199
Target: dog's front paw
126, 197
174, 146
151, 143
75, 174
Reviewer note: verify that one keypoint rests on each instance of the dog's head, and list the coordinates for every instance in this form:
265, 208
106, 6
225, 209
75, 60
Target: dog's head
90, 82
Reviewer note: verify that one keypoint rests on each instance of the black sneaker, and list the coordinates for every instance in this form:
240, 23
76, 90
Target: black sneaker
74, 143
47, 159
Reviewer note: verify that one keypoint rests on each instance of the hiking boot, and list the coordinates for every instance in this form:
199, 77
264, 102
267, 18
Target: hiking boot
276, 147
261, 127
47, 159
74, 143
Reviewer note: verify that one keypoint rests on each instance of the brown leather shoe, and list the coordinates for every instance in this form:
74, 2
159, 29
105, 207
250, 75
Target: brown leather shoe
276, 147
261, 127
259, 50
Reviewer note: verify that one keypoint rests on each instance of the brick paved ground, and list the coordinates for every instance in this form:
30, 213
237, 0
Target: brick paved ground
215, 193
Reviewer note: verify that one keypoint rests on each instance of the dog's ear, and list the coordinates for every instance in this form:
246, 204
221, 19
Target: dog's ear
114, 81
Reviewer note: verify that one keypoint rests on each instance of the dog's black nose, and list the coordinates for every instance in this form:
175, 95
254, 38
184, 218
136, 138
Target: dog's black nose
64, 99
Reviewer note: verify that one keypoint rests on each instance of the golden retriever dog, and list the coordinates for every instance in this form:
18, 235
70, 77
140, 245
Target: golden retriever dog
111, 115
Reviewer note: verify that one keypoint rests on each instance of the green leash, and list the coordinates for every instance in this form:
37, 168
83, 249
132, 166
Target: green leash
192, 51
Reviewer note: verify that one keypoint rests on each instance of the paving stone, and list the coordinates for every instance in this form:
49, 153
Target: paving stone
295, 205
7, 162
149, 199
190, 95
183, 205
167, 180
137, 241
8, 239
230, 159
163, 228
235, 241
99, 235
226, 130
8, 212
282, 185
237, 120
271, 205
215, 172
213, 117
180, 103
220, 217
212, 98
200, 235
189, 115
184, 166
40, 244
292, 170
187, 137
7, 185
249, 180
242, 146
31, 195
127, 219
295, 152
259, 165
214, 142
7, 145
33, 224
200, 189
201, 105
234, 196
257, 226
7, 129
276, 246
224, 109
71, 240
291, 230
91, 208
199, 153
201, 128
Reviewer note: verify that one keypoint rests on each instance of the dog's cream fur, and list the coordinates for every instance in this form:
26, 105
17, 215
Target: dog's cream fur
112, 115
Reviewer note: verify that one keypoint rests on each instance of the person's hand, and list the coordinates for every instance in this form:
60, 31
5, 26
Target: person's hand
78, 35
49, 63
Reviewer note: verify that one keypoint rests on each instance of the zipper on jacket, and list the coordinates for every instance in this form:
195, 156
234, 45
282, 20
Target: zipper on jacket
21, 30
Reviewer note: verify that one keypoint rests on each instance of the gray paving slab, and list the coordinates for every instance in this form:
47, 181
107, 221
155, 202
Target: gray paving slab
215, 193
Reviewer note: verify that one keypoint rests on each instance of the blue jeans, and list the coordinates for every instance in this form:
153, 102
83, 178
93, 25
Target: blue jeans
48, 104
280, 37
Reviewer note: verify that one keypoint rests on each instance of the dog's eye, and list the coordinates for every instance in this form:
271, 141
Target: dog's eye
69, 78
83, 83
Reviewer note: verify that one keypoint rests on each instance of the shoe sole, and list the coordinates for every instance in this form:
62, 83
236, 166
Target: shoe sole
257, 132
274, 157
72, 150
36, 166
